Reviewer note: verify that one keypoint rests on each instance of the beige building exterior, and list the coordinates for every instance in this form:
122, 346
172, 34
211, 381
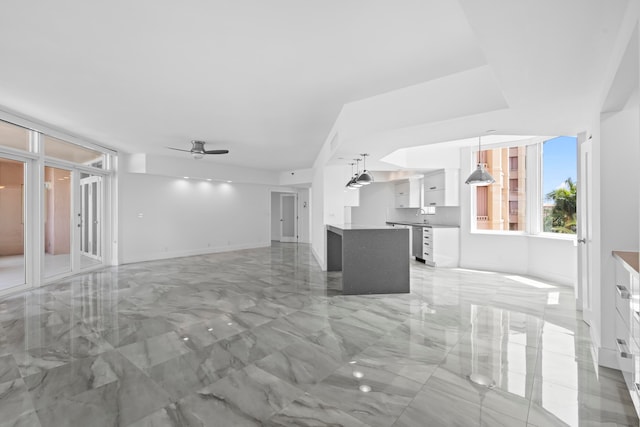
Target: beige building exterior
501, 206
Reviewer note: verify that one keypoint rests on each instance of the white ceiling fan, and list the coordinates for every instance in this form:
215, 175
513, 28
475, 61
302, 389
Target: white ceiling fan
198, 151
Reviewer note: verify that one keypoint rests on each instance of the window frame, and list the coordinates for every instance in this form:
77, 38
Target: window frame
533, 192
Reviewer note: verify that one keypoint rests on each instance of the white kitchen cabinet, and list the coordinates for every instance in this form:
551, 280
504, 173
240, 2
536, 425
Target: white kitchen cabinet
627, 321
407, 194
441, 188
441, 246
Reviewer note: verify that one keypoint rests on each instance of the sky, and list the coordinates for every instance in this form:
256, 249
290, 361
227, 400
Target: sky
559, 162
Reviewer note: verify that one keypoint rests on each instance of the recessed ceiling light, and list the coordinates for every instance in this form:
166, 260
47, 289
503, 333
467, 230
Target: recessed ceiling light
365, 388
185, 177
208, 179
358, 374
185, 338
229, 182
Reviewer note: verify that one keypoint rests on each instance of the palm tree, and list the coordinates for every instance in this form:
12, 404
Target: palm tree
563, 214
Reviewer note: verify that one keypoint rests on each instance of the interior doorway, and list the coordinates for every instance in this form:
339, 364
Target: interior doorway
288, 218
284, 217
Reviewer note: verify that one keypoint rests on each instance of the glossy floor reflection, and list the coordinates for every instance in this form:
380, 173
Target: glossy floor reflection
263, 337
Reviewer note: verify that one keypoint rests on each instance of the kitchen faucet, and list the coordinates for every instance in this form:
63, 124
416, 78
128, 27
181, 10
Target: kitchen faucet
422, 211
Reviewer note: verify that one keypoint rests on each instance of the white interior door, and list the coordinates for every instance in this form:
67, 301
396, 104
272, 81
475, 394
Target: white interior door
288, 218
585, 229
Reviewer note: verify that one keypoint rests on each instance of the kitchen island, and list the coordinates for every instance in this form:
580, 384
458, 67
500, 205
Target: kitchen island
373, 259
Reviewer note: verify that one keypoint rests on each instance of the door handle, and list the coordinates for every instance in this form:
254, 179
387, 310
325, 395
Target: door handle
582, 240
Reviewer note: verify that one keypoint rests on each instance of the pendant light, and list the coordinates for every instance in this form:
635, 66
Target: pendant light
480, 176
365, 178
351, 184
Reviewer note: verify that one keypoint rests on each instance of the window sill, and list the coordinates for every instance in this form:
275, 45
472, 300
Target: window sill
499, 233
550, 236
555, 236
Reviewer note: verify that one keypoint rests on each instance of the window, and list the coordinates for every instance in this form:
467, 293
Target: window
559, 171
501, 206
14, 136
56, 148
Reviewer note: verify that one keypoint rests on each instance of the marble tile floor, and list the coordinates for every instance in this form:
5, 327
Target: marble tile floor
262, 337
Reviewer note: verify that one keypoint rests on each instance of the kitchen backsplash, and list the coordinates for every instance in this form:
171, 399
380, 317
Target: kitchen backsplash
444, 215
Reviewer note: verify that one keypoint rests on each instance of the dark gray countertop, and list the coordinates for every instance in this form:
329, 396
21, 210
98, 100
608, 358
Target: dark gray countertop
422, 224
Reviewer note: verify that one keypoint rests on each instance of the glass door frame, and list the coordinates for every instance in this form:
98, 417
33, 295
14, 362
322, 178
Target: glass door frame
75, 224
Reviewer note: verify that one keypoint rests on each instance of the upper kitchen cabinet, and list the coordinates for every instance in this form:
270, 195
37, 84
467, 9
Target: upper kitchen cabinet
407, 194
442, 188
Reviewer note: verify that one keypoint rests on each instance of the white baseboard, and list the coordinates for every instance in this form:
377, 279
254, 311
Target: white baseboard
319, 259
192, 252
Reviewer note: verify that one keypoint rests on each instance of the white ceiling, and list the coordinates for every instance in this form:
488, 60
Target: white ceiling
267, 79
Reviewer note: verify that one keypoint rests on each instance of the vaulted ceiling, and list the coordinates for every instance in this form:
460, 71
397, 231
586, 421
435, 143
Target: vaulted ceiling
268, 79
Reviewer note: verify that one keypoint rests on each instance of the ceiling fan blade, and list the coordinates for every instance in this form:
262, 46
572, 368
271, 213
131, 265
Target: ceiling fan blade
179, 149
216, 151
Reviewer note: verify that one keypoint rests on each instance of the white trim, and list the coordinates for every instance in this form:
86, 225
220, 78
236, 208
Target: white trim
205, 251
533, 186
555, 236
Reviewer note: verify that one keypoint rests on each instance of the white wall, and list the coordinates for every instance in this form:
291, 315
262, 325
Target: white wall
375, 201
164, 217
549, 258
275, 216
304, 212
619, 178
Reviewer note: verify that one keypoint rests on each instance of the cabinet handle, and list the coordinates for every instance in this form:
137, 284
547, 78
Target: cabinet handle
432, 188
637, 387
623, 292
623, 349
636, 314
432, 204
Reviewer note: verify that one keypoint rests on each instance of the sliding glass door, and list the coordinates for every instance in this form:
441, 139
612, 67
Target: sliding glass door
54, 211
12, 223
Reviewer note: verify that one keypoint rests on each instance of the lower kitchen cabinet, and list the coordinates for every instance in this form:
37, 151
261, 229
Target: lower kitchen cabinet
440, 246
627, 329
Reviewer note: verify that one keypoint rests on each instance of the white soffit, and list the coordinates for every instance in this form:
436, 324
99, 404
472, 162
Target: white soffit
463, 94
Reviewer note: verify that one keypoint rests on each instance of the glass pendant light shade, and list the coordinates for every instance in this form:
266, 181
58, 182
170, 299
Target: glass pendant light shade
480, 176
